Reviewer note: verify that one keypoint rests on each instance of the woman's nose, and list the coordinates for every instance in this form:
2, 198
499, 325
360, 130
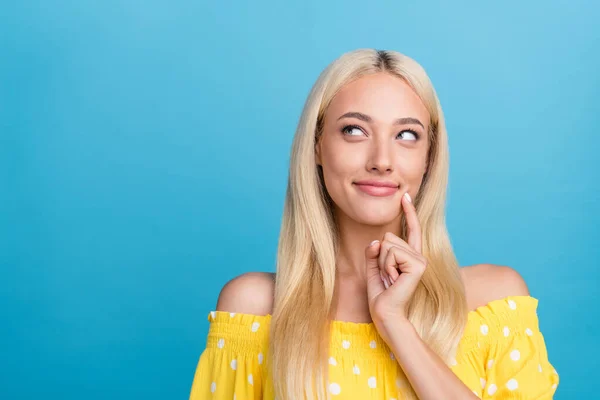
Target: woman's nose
381, 157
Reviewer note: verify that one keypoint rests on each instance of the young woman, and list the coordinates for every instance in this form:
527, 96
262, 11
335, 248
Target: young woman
368, 301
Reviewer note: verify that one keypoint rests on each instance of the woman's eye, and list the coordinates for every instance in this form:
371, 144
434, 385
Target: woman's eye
410, 133
351, 128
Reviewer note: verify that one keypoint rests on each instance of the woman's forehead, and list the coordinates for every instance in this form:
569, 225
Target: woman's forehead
383, 97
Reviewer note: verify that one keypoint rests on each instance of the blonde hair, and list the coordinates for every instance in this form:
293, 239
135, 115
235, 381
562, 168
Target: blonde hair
308, 241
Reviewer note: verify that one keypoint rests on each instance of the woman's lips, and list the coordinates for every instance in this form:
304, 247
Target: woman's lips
379, 191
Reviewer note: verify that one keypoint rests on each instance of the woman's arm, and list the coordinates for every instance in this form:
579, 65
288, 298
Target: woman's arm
389, 292
427, 373
394, 268
429, 376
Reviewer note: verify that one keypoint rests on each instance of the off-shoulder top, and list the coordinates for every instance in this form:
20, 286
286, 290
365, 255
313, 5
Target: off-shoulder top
501, 355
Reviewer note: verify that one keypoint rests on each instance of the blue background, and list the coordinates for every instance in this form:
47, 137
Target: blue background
143, 163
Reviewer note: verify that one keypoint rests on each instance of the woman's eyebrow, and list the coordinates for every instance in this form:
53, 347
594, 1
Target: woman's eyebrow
366, 118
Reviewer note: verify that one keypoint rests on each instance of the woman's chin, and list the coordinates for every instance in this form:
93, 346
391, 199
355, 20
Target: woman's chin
376, 218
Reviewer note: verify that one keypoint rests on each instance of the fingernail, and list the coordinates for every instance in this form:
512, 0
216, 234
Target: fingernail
408, 197
373, 242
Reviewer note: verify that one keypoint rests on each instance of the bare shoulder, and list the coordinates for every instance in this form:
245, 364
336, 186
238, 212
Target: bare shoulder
488, 282
249, 293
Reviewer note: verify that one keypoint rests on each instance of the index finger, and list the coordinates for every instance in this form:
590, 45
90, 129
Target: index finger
412, 220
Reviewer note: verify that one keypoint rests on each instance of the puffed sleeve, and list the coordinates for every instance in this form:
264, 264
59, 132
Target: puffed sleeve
515, 359
231, 365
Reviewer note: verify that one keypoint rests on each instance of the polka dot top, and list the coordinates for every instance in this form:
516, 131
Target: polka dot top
502, 355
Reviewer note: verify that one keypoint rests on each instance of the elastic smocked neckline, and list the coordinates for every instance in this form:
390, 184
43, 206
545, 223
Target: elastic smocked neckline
363, 340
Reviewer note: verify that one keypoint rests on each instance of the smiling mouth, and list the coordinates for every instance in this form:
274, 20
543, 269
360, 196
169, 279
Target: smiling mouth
377, 191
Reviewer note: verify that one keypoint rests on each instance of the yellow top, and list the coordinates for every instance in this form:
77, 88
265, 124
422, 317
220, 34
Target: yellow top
502, 355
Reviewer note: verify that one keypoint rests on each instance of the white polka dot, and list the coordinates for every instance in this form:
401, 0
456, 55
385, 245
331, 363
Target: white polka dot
554, 371
453, 362
554, 386
529, 332
512, 384
489, 364
221, 343
492, 389
334, 388
234, 364
484, 329
260, 358
475, 393
213, 387
515, 355
482, 381
234, 396
540, 367
212, 314
232, 314
346, 344
255, 326
332, 361
506, 331
392, 356
356, 370
250, 379
372, 382
512, 305
373, 344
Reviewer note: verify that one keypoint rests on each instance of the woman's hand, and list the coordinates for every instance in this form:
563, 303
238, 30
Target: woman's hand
394, 269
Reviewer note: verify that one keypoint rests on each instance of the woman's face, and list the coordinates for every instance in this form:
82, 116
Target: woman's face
375, 128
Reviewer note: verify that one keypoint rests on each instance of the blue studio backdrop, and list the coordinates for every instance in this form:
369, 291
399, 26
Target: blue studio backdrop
144, 148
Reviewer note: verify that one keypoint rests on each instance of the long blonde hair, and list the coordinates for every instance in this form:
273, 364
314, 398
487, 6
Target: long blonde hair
308, 241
